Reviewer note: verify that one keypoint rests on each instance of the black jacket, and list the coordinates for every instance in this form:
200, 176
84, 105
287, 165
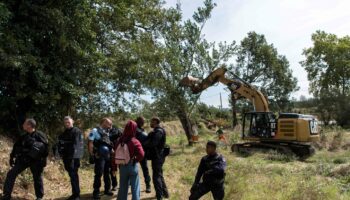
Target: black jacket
155, 143
114, 134
27, 143
212, 169
71, 143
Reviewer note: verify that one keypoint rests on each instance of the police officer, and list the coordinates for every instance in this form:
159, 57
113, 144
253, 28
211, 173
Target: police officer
155, 144
212, 170
142, 137
71, 147
31, 150
100, 149
114, 135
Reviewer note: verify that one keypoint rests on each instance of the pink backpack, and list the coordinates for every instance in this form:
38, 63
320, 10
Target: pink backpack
122, 154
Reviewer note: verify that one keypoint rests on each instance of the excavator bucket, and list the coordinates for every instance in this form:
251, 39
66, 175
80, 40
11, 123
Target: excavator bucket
198, 85
189, 81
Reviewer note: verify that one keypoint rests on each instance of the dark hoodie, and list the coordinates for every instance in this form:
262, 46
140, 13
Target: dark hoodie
135, 149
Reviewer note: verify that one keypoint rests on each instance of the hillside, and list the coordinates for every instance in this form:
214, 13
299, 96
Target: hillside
326, 175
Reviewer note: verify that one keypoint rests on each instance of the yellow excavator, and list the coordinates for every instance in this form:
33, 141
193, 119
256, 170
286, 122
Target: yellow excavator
289, 133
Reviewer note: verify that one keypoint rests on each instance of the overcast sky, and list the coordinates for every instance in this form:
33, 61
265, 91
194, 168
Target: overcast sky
288, 24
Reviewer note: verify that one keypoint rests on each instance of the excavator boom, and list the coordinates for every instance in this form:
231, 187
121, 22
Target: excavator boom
236, 85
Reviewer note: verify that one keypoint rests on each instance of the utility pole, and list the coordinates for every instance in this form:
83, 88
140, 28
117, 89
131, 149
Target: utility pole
220, 101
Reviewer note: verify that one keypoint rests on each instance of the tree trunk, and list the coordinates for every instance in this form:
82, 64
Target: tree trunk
187, 125
234, 110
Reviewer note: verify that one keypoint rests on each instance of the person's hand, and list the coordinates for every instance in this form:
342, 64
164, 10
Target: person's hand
44, 162
92, 159
12, 161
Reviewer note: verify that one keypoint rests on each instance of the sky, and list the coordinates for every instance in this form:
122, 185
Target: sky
287, 24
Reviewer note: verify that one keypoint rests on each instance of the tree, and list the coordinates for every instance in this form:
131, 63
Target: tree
71, 57
184, 52
327, 63
259, 63
46, 59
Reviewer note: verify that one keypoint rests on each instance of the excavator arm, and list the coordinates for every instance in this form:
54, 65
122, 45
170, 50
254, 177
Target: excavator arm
236, 85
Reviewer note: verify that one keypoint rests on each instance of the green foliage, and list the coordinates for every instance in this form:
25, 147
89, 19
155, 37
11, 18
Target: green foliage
211, 112
327, 63
183, 52
71, 57
157, 108
260, 64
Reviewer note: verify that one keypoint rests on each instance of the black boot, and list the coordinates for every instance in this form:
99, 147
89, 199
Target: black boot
109, 193
5, 197
148, 187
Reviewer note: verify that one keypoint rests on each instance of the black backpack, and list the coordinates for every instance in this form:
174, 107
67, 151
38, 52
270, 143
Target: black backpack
39, 148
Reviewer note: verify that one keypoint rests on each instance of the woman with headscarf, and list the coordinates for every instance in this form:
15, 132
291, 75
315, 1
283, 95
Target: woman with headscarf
128, 173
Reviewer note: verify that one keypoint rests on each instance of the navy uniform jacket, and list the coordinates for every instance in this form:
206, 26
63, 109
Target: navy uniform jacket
212, 169
155, 143
73, 142
141, 135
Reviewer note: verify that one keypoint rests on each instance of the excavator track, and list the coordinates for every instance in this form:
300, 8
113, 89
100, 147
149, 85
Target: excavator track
302, 151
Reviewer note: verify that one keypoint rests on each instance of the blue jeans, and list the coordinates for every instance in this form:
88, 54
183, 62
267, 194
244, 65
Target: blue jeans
129, 174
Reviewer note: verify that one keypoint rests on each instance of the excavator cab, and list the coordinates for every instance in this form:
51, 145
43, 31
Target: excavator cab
258, 125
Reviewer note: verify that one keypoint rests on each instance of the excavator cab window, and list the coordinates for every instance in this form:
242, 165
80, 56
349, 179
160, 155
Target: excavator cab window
258, 124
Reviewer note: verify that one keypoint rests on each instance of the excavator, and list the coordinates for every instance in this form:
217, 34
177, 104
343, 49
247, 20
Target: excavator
289, 133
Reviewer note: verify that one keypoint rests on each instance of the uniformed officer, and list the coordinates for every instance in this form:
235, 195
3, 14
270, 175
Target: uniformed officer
154, 145
31, 150
100, 149
212, 170
71, 148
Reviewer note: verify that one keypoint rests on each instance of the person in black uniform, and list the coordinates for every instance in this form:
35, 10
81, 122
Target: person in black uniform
114, 135
212, 170
71, 148
142, 137
100, 149
155, 144
30, 151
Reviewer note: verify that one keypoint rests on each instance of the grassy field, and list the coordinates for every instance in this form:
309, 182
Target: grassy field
326, 175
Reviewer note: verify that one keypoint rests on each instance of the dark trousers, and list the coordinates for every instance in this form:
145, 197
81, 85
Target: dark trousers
72, 167
36, 167
158, 179
113, 179
102, 167
203, 188
145, 171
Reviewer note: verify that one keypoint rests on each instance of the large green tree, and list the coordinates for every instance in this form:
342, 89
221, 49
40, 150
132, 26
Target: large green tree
70, 57
184, 52
327, 63
259, 63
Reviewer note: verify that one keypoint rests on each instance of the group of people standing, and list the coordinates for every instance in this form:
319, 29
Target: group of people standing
111, 150
104, 144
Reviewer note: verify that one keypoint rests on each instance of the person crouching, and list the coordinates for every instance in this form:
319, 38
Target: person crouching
212, 170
